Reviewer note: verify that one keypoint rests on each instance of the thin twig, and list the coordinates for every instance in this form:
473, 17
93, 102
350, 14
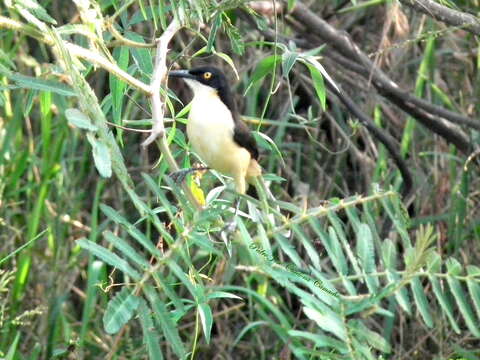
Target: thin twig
127, 128
429, 115
121, 40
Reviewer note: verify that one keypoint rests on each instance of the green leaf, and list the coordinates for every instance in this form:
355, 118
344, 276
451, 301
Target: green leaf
13, 347
286, 247
444, 302
465, 309
238, 46
216, 23
288, 60
33, 7
366, 255
113, 215
474, 290
264, 67
126, 249
307, 244
319, 85
389, 254
247, 328
117, 87
101, 156
142, 57
421, 301
454, 268
334, 251
339, 227
109, 257
320, 340
7, 58
96, 269
291, 5
401, 295
28, 82
265, 139
365, 248
119, 311
434, 262
371, 337
222, 294
228, 60
206, 318
131, 229
150, 334
327, 322
164, 320
77, 118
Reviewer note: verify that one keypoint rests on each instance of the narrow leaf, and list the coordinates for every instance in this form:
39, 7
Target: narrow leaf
126, 249
164, 320
101, 156
421, 301
119, 311
150, 334
326, 322
206, 318
109, 257
264, 67
465, 309
77, 118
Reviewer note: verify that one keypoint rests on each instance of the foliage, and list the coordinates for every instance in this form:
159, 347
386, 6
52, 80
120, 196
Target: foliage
129, 267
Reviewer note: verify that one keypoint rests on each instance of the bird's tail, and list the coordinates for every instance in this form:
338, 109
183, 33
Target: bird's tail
254, 170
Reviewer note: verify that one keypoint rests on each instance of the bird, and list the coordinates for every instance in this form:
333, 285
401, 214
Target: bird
215, 128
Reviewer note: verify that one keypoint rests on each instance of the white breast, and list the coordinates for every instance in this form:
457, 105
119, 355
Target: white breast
210, 131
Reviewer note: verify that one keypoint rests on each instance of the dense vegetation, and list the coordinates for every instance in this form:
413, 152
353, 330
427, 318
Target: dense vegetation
362, 243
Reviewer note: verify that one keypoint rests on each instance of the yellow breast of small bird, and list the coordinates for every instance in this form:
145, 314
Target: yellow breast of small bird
210, 131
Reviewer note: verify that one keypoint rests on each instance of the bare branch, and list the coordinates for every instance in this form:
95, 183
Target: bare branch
342, 42
444, 14
159, 73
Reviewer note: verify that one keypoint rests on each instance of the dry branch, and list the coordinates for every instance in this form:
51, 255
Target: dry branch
159, 73
431, 116
444, 14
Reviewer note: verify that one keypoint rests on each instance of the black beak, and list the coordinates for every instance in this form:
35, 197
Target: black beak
181, 74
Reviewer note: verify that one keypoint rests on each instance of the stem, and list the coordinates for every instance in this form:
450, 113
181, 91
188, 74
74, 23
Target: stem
77, 51
159, 73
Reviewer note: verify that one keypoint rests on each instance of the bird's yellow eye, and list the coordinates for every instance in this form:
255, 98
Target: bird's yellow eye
207, 75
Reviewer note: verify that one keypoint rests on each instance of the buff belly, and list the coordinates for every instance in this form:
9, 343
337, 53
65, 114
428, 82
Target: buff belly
210, 131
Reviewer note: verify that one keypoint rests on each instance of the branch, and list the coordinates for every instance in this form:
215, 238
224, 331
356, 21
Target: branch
444, 14
342, 42
390, 144
77, 51
159, 73
158, 106
384, 138
121, 40
104, 63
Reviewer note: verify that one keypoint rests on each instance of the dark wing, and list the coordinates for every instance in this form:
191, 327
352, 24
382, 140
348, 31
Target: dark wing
244, 138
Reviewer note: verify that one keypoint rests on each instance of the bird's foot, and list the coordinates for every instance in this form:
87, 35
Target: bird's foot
179, 176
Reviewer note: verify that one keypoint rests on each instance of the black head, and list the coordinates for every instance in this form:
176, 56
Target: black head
206, 75
211, 77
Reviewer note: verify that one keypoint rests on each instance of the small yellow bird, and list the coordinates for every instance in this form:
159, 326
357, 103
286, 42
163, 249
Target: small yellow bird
215, 129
